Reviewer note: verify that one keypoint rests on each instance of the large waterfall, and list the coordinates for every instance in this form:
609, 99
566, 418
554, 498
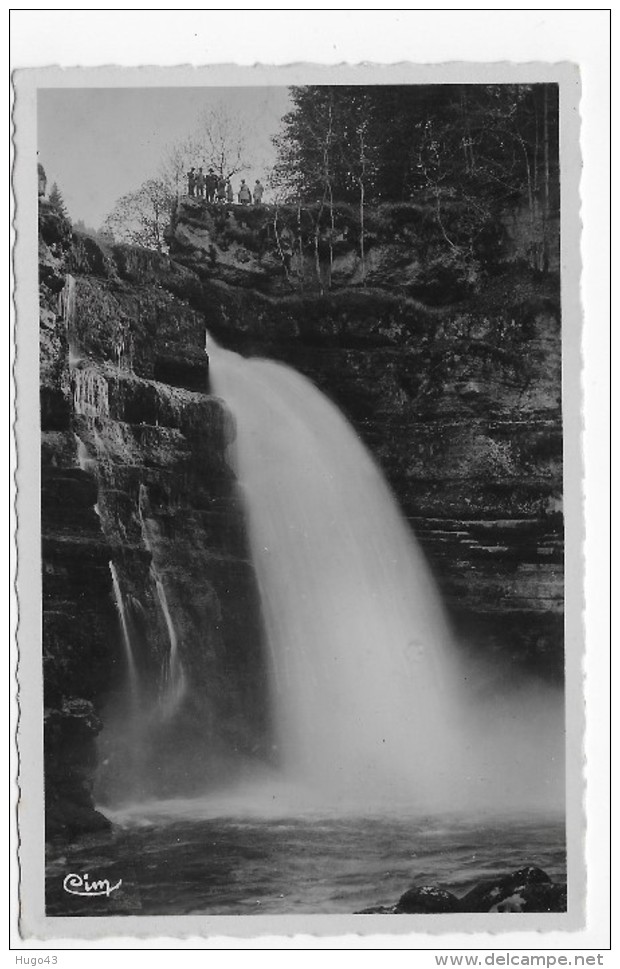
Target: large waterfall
371, 701
373, 706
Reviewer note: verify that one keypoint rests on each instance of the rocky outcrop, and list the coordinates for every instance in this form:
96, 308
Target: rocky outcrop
135, 483
77, 618
455, 388
527, 890
403, 247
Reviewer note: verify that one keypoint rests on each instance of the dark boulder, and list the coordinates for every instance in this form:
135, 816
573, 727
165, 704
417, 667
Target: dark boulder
426, 900
69, 761
488, 895
535, 898
528, 889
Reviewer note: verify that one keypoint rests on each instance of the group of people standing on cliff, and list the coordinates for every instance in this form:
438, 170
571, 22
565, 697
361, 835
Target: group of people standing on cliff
216, 188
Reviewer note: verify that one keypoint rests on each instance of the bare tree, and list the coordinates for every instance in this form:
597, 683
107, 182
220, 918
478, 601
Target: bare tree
141, 217
218, 141
221, 142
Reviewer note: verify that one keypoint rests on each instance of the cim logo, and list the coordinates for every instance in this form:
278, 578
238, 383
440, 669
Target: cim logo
80, 885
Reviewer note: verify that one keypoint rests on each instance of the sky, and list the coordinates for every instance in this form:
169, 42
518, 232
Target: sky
100, 143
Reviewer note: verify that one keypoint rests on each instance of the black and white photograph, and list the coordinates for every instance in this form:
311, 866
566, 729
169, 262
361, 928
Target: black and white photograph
302, 419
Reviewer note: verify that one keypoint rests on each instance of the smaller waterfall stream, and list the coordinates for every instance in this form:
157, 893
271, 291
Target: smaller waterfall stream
132, 672
174, 683
85, 462
174, 677
66, 300
66, 309
90, 393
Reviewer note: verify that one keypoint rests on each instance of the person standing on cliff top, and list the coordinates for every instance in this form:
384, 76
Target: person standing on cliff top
245, 196
258, 192
191, 182
211, 185
230, 197
221, 190
200, 184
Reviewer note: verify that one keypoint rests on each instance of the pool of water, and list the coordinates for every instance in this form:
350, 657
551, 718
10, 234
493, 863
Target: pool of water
184, 858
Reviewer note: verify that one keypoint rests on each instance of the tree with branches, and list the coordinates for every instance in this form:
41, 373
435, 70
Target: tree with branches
474, 150
218, 141
140, 218
57, 202
222, 142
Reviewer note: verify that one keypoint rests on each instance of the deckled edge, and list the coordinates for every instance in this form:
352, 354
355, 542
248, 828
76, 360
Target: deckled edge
34, 925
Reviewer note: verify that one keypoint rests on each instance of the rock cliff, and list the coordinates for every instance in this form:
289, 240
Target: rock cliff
136, 488
450, 370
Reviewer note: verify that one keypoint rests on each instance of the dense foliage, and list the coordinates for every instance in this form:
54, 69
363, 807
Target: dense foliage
141, 218
406, 141
57, 202
482, 148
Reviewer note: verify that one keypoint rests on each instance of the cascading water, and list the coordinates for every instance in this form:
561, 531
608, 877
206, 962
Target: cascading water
90, 393
85, 462
66, 309
174, 684
174, 679
123, 743
359, 646
132, 672
370, 705
66, 300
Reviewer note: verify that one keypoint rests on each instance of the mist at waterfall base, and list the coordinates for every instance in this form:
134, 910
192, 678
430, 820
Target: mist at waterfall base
391, 757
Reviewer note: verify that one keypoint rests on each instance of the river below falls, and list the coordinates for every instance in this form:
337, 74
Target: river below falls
177, 864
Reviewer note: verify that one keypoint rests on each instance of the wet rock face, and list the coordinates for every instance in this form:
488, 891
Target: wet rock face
135, 476
167, 502
458, 401
462, 409
315, 247
69, 733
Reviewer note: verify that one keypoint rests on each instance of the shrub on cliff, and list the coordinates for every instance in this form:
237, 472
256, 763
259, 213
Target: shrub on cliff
141, 218
57, 203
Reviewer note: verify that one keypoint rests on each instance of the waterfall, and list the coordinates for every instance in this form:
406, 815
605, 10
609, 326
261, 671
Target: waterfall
66, 300
90, 393
174, 679
85, 462
362, 667
66, 309
132, 672
174, 683
372, 703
